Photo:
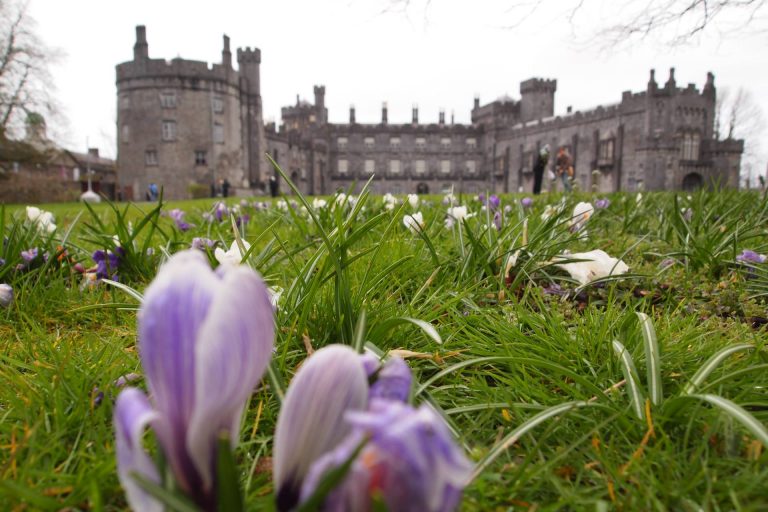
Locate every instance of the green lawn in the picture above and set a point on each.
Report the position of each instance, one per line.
(512, 345)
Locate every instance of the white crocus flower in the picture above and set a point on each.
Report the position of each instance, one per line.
(233, 256)
(414, 222)
(457, 214)
(275, 292)
(42, 219)
(282, 205)
(581, 214)
(318, 203)
(596, 264)
(639, 198)
(413, 200)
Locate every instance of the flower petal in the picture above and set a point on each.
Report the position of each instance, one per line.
(311, 422)
(175, 307)
(132, 414)
(233, 349)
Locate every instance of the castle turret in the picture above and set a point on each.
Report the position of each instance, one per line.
(652, 85)
(249, 62)
(537, 99)
(415, 114)
(384, 113)
(226, 55)
(351, 114)
(321, 112)
(441, 119)
(709, 86)
(671, 84)
(141, 48)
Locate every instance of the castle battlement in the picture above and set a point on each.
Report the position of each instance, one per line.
(538, 85)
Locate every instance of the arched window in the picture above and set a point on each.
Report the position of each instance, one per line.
(690, 147)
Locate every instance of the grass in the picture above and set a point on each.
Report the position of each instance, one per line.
(512, 352)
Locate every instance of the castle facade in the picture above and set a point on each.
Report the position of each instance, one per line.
(186, 126)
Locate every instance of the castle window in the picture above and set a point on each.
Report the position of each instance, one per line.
(395, 188)
(312, 118)
(201, 158)
(471, 167)
(125, 101)
(169, 130)
(446, 188)
(368, 142)
(150, 157)
(471, 143)
(690, 148)
(445, 142)
(394, 167)
(420, 167)
(421, 143)
(341, 142)
(168, 99)
(605, 152)
(218, 133)
(218, 105)
(343, 167)
(370, 166)
(394, 143)
(445, 166)
(126, 134)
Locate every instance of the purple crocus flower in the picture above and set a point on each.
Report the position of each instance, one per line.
(526, 202)
(29, 254)
(494, 202)
(311, 422)
(749, 256)
(410, 458)
(220, 211)
(410, 461)
(178, 217)
(107, 262)
(200, 243)
(602, 203)
(202, 359)
(497, 221)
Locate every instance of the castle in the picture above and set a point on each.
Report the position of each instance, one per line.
(186, 125)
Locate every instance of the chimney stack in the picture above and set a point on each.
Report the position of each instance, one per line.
(141, 48)
(351, 114)
(415, 114)
(226, 54)
(384, 113)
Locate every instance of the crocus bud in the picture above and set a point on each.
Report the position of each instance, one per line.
(6, 295)
(312, 420)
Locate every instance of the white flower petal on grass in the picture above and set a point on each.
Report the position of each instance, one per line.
(414, 222)
(233, 256)
(597, 264)
(413, 200)
(581, 214)
(44, 220)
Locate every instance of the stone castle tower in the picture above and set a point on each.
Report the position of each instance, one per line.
(184, 124)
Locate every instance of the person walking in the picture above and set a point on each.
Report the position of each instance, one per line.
(225, 187)
(564, 166)
(542, 159)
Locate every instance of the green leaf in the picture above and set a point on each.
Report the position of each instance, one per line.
(738, 413)
(127, 289)
(634, 388)
(712, 363)
(391, 323)
(359, 339)
(174, 502)
(652, 359)
(228, 494)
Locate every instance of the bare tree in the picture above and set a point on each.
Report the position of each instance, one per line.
(26, 86)
(739, 116)
(674, 22)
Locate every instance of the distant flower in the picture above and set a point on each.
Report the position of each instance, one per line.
(281, 205)
(107, 263)
(508, 208)
(126, 379)
(449, 199)
(318, 203)
(457, 214)
(526, 202)
(275, 292)
(667, 262)
(178, 217)
(6, 295)
(414, 222)
(220, 210)
(243, 219)
(389, 201)
(639, 198)
(494, 202)
(243, 203)
(202, 359)
(602, 203)
(201, 243)
(44, 220)
(581, 214)
(550, 211)
(29, 254)
(233, 256)
(687, 214)
(413, 200)
(207, 216)
(749, 256)
(497, 221)
(340, 199)
(597, 264)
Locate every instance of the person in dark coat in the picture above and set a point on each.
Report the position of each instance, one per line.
(542, 159)
(273, 186)
(225, 188)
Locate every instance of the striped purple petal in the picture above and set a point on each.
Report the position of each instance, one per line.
(132, 414)
(311, 422)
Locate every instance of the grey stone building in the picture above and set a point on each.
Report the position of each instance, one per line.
(185, 125)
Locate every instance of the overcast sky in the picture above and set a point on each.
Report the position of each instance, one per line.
(437, 54)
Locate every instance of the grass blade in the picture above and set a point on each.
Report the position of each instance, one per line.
(634, 387)
(712, 363)
(738, 413)
(652, 359)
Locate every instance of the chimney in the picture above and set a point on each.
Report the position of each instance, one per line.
(384, 113)
(351, 114)
(226, 55)
(652, 85)
(141, 48)
(569, 109)
(671, 82)
(451, 116)
(442, 116)
(477, 102)
(415, 114)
